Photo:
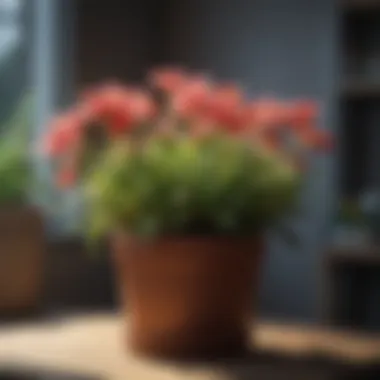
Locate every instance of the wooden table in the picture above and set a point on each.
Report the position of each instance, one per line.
(92, 345)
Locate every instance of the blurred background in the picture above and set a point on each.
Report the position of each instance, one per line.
(322, 49)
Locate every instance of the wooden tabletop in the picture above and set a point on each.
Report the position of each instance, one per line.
(93, 345)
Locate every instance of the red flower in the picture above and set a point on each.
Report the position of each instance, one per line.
(119, 108)
(65, 132)
(142, 106)
(228, 96)
(226, 108)
(203, 104)
(303, 115)
(233, 119)
(169, 80)
(268, 113)
(110, 106)
(193, 99)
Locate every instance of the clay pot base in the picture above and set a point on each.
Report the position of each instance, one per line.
(189, 298)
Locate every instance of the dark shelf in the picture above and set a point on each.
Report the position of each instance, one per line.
(361, 89)
(360, 5)
(366, 255)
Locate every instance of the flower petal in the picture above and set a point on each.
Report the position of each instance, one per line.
(169, 80)
(65, 131)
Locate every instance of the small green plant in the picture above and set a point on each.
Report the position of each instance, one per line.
(197, 159)
(14, 156)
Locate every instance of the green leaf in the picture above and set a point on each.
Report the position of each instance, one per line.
(15, 176)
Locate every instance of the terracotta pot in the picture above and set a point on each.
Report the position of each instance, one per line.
(21, 260)
(188, 297)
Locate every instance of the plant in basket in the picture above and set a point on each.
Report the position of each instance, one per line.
(185, 179)
(21, 226)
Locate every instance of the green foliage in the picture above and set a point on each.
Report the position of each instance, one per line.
(187, 186)
(14, 156)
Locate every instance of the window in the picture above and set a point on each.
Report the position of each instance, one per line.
(33, 69)
(14, 59)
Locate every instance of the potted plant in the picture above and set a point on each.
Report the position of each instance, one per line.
(21, 232)
(185, 181)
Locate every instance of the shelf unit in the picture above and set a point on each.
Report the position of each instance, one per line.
(360, 5)
(360, 95)
(352, 272)
(360, 90)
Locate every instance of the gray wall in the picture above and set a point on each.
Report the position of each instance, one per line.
(283, 48)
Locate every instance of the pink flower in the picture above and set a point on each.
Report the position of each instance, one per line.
(169, 80)
(226, 108)
(193, 99)
(303, 114)
(268, 113)
(200, 102)
(65, 132)
(142, 107)
(231, 119)
(110, 106)
(228, 96)
(119, 108)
